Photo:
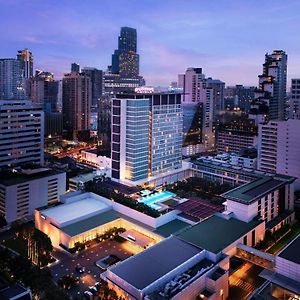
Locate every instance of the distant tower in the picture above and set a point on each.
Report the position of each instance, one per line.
(75, 67)
(26, 59)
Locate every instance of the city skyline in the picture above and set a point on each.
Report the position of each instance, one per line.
(172, 36)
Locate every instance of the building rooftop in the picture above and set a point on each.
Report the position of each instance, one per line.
(216, 233)
(291, 252)
(171, 228)
(74, 211)
(11, 291)
(10, 177)
(90, 223)
(150, 265)
(249, 192)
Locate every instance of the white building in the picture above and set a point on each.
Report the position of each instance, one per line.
(146, 136)
(22, 133)
(91, 158)
(279, 148)
(21, 192)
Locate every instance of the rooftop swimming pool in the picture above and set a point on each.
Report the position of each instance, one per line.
(151, 199)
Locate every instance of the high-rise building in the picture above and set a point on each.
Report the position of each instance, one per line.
(146, 136)
(239, 96)
(218, 93)
(11, 79)
(26, 59)
(44, 91)
(271, 93)
(279, 148)
(22, 133)
(294, 101)
(123, 74)
(198, 111)
(75, 67)
(96, 77)
(77, 99)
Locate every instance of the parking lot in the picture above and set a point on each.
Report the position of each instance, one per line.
(66, 263)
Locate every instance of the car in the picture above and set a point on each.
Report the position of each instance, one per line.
(88, 295)
(93, 290)
(79, 269)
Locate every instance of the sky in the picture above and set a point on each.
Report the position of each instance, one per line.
(227, 38)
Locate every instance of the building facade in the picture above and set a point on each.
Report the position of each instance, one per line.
(294, 101)
(77, 99)
(23, 191)
(146, 135)
(22, 133)
(279, 147)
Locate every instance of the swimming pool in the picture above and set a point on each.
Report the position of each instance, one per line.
(150, 200)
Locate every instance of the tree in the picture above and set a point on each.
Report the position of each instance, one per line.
(67, 282)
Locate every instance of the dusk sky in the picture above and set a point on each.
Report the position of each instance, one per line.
(227, 38)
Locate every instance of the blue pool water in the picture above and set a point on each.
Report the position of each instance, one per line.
(157, 197)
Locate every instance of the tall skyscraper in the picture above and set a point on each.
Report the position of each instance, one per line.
(26, 59)
(271, 92)
(75, 67)
(44, 90)
(77, 99)
(146, 136)
(96, 77)
(125, 60)
(218, 87)
(294, 100)
(123, 74)
(279, 148)
(197, 98)
(11, 79)
(22, 133)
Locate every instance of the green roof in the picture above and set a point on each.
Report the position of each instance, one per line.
(171, 228)
(253, 190)
(216, 233)
(90, 223)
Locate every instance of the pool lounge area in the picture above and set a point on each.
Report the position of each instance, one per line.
(153, 198)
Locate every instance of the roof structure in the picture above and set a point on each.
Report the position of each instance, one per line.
(171, 228)
(216, 233)
(70, 212)
(150, 265)
(90, 223)
(291, 252)
(254, 190)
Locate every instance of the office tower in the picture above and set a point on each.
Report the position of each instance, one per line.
(218, 93)
(198, 112)
(123, 74)
(96, 77)
(104, 126)
(75, 67)
(125, 60)
(239, 96)
(24, 190)
(279, 148)
(294, 101)
(11, 79)
(44, 90)
(26, 59)
(146, 136)
(236, 135)
(22, 133)
(271, 93)
(77, 99)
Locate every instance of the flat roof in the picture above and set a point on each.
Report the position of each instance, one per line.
(90, 223)
(68, 212)
(249, 192)
(148, 266)
(216, 233)
(9, 177)
(13, 291)
(292, 251)
(171, 228)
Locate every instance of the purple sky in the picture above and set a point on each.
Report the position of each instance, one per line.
(228, 38)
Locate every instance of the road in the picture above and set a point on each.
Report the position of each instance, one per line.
(66, 263)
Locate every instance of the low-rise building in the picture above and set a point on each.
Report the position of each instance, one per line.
(24, 190)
